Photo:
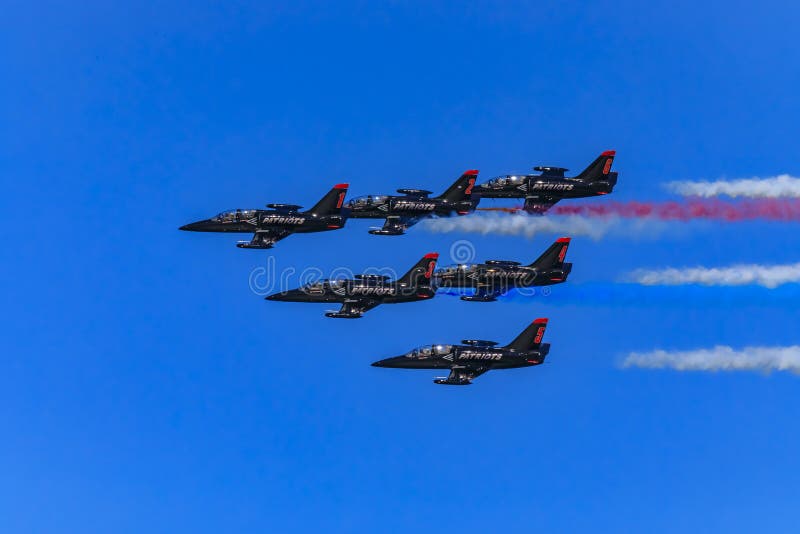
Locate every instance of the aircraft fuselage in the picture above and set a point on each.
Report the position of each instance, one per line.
(344, 290)
(532, 185)
(403, 206)
(299, 222)
(486, 358)
(500, 276)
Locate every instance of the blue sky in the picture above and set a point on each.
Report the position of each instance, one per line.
(145, 387)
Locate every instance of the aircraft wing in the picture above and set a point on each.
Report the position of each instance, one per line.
(539, 204)
(461, 376)
(353, 308)
(395, 225)
(264, 238)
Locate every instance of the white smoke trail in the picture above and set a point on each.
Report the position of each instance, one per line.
(782, 186)
(720, 358)
(770, 276)
(532, 225)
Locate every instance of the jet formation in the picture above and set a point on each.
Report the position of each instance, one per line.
(487, 281)
(540, 191)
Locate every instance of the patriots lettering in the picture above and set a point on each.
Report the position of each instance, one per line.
(372, 290)
(549, 186)
(480, 356)
(414, 206)
(279, 219)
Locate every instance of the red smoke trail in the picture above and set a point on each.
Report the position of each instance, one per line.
(712, 209)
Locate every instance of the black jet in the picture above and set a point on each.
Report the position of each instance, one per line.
(404, 211)
(367, 290)
(541, 191)
(282, 220)
(474, 357)
(496, 277)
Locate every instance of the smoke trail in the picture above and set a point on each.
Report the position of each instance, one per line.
(770, 276)
(531, 225)
(786, 210)
(616, 295)
(720, 358)
(773, 187)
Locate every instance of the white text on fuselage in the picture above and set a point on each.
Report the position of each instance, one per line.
(372, 290)
(493, 356)
(552, 187)
(282, 220)
(510, 274)
(414, 206)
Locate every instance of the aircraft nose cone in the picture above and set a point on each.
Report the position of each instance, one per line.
(191, 227)
(389, 362)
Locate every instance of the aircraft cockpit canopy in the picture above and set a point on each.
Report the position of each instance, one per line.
(315, 283)
(455, 269)
(366, 201)
(235, 215)
(429, 351)
(507, 180)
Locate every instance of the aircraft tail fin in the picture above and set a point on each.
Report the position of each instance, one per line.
(553, 257)
(420, 274)
(461, 188)
(600, 169)
(531, 337)
(331, 203)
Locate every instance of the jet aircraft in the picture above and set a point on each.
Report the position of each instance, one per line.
(402, 212)
(496, 277)
(282, 220)
(542, 191)
(367, 290)
(474, 357)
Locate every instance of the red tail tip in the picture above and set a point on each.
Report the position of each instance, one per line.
(473, 172)
(341, 186)
(563, 240)
(432, 256)
(541, 320)
(609, 153)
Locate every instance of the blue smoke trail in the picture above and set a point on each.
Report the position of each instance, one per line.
(635, 295)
